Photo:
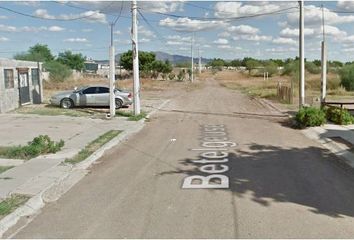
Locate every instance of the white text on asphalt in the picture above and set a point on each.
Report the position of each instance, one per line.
(214, 153)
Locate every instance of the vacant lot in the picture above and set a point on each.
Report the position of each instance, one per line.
(257, 86)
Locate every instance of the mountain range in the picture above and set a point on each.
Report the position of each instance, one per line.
(172, 58)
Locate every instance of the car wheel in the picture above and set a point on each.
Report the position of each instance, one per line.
(119, 103)
(66, 103)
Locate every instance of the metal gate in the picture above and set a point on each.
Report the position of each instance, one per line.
(36, 95)
(23, 84)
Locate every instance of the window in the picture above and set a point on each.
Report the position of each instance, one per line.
(91, 90)
(9, 78)
(103, 90)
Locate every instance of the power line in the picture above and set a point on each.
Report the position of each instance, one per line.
(120, 12)
(160, 37)
(280, 11)
(54, 19)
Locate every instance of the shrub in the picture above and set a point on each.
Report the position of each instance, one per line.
(58, 72)
(347, 77)
(312, 68)
(310, 117)
(339, 116)
(39, 145)
(171, 76)
(271, 67)
(181, 75)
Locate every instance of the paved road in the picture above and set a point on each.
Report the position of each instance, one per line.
(281, 185)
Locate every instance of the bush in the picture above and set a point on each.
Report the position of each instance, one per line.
(310, 117)
(312, 68)
(58, 72)
(339, 116)
(171, 76)
(181, 75)
(39, 145)
(347, 77)
(271, 67)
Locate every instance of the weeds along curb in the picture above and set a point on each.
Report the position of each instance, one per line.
(64, 183)
(56, 189)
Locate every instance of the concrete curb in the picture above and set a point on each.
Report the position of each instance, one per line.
(331, 145)
(64, 183)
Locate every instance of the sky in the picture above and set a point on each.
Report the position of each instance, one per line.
(228, 30)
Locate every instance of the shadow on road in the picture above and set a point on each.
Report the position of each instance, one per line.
(307, 176)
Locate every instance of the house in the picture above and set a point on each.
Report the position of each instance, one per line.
(20, 84)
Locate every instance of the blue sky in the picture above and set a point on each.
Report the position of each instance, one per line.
(227, 30)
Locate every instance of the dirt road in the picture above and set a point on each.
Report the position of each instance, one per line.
(271, 183)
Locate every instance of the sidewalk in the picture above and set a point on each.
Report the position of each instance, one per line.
(336, 138)
(29, 177)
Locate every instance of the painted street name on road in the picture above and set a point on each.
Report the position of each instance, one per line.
(214, 154)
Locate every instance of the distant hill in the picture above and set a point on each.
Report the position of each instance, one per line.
(174, 59)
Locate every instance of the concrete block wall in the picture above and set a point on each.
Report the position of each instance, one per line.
(9, 98)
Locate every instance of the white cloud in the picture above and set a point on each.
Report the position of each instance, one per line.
(3, 17)
(243, 29)
(238, 9)
(145, 32)
(221, 41)
(313, 16)
(345, 5)
(144, 40)
(76, 40)
(294, 32)
(91, 16)
(28, 3)
(348, 50)
(179, 38)
(281, 50)
(281, 40)
(256, 38)
(56, 29)
(224, 34)
(4, 39)
(206, 46)
(161, 6)
(189, 25)
(43, 13)
(5, 28)
(224, 46)
(87, 30)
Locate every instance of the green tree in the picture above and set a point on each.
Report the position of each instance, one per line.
(251, 64)
(271, 67)
(236, 63)
(347, 77)
(58, 72)
(37, 53)
(145, 60)
(73, 61)
(217, 63)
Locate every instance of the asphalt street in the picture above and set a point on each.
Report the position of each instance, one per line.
(279, 183)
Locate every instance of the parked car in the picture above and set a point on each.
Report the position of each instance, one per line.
(90, 96)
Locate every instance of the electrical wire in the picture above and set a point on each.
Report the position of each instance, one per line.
(280, 11)
(160, 37)
(54, 19)
(120, 13)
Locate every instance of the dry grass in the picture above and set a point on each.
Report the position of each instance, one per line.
(256, 86)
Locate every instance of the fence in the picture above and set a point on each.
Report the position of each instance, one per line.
(284, 93)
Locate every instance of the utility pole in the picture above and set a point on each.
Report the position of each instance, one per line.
(136, 83)
(200, 61)
(192, 42)
(323, 64)
(301, 56)
(112, 70)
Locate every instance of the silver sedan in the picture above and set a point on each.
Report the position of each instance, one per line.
(90, 96)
